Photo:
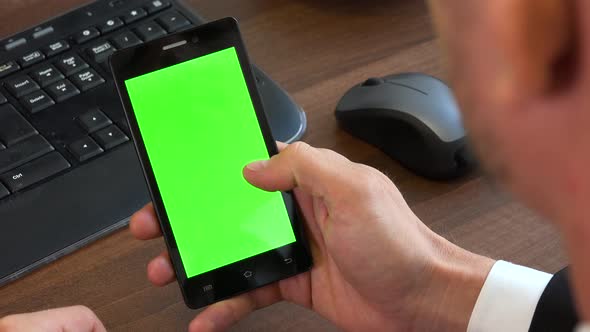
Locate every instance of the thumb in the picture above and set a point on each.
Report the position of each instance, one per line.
(298, 165)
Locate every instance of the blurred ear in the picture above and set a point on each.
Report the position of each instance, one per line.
(505, 47)
(539, 36)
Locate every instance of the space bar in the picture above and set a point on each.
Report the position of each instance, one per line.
(35, 171)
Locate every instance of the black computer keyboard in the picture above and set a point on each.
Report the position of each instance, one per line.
(50, 121)
(68, 171)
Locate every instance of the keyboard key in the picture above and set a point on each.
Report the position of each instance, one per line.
(85, 149)
(71, 64)
(43, 32)
(62, 90)
(101, 51)
(94, 120)
(126, 39)
(134, 15)
(150, 31)
(47, 75)
(14, 44)
(23, 152)
(56, 48)
(87, 79)
(13, 126)
(37, 101)
(31, 59)
(21, 85)
(3, 99)
(110, 137)
(86, 35)
(157, 5)
(110, 25)
(8, 68)
(36, 171)
(186, 27)
(3, 191)
(173, 21)
(116, 3)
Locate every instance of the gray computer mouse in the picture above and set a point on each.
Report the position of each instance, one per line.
(413, 118)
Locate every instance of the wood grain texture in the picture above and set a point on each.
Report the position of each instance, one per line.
(316, 49)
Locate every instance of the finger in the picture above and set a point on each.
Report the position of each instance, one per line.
(77, 318)
(223, 315)
(298, 165)
(160, 271)
(144, 224)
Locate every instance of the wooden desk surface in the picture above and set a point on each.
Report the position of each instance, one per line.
(316, 49)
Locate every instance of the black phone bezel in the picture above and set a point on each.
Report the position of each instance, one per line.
(248, 274)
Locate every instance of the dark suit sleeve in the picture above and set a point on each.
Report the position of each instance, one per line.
(555, 311)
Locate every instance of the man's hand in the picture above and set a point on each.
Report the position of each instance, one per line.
(78, 319)
(521, 71)
(376, 266)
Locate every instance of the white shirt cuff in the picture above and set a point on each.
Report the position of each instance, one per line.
(508, 299)
(583, 328)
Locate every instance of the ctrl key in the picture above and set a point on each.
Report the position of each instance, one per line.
(35, 171)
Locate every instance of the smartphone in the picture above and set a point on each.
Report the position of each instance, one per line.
(197, 119)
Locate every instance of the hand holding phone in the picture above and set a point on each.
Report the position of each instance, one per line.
(376, 266)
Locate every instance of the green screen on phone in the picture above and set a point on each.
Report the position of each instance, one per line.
(200, 129)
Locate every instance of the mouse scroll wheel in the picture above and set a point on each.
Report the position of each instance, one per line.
(373, 81)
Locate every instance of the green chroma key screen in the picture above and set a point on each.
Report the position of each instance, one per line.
(199, 129)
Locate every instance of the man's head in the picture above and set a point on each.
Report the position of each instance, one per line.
(521, 72)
